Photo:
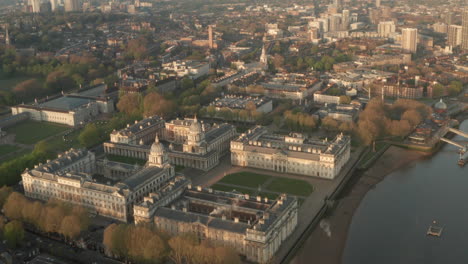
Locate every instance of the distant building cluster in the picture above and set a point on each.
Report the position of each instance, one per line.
(260, 104)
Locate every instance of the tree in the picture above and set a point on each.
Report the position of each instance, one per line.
(52, 222)
(13, 206)
(455, 88)
(182, 247)
(344, 99)
(437, 90)
(187, 83)
(130, 104)
(413, 117)
(28, 88)
(58, 80)
(5, 191)
(330, 124)
(13, 233)
(156, 104)
(108, 238)
(90, 136)
(137, 48)
(278, 61)
(155, 249)
(70, 226)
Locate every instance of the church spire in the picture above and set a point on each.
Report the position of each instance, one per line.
(7, 37)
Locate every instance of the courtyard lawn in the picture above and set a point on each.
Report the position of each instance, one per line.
(31, 132)
(290, 186)
(247, 179)
(127, 160)
(6, 149)
(225, 188)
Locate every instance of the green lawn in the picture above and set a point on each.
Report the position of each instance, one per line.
(247, 179)
(5, 149)
(59, 145)
(224, 188)
(290, 186)
(30, 132)
(15, 156)
(127, 160)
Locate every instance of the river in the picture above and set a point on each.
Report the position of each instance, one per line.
(391, 222)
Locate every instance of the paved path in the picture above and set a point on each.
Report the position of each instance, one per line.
(256, 190)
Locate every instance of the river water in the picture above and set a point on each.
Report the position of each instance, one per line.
(391, 222)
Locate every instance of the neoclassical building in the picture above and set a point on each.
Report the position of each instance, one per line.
(72, 177)
(253, 226)
(69, 109)
(190, 142)
(290, 154)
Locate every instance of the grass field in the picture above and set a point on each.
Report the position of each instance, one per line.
(58, 144)
(247, 179)
(5, 149)
(290, 186)
(15, 156)
(127, 160)
(30, 132)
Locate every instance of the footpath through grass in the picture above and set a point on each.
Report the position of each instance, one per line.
(31, 132)
(6, 149)
(247, 179)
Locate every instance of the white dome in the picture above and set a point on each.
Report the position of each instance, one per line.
(441, 105)
(157, 147)
(196, 126)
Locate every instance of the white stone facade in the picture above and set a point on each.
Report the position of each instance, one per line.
(290, 154)
(70, 178)
(253, 226)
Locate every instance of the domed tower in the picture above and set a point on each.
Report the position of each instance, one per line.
(440, 107)
(195, 138)
(158, 156)
(196, 135)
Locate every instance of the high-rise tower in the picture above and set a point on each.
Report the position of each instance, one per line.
(464, 44)
(210, 37)
(409, 39)
(454, 35)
